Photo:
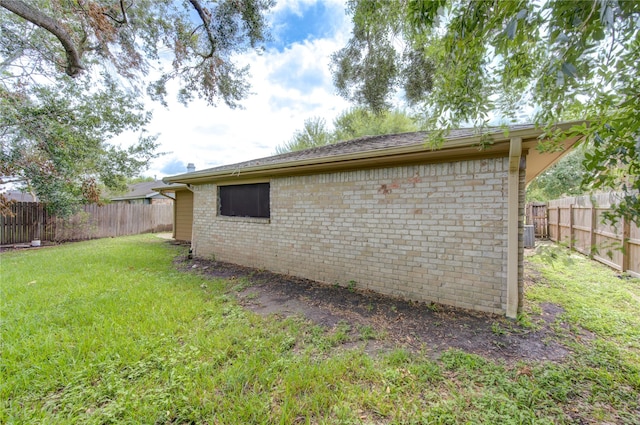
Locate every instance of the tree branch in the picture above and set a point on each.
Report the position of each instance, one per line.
(10, 59)
(124, 12)
(124, 19)
(206, 21)
(74, 64)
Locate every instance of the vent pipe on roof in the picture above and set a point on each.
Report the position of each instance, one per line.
(191, 167)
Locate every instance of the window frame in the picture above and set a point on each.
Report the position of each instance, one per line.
(232, 205)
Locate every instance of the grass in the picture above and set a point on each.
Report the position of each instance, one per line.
(108, 331)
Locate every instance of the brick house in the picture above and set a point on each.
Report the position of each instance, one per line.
(385, 212)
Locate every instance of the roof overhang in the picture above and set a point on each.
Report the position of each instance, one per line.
(538, 162)
(170, 188)
(132, 197)
(462, 148)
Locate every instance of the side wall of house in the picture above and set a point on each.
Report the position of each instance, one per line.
(433, 232)
(183, 215)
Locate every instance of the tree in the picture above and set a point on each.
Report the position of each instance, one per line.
(132, 38)
(358, 122)
(71, 74)
(313, 134)
(466, 61)
(350, 124)
(140, 179)
(561, 179)
(52, 140)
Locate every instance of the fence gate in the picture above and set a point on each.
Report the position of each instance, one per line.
(536, 213)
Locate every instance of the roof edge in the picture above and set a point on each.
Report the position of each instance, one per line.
(452, 144)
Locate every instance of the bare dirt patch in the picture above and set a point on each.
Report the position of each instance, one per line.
(431, 328)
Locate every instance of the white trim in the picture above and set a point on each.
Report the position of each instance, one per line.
(513, 206)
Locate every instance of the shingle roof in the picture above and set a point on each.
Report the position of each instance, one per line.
(15, 195)
(140, 190)
(362, 144)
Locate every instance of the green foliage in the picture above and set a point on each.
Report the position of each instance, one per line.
(469, 61)
(313, 134)
(140, 179)
(54, 141)
(72, 74)
(197, 38)
(359, 122)
(351, 124)
(555, 254)
(561, 179)
(497, 329)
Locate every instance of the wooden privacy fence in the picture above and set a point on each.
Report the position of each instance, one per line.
(578, 222)
(536, 215)
(118, 219)
(29, 221)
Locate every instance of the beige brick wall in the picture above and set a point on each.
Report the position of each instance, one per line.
(434, 232)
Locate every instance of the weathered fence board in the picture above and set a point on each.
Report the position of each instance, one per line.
(28, 221)
(31, 221)
(579, 223)
(536, 214)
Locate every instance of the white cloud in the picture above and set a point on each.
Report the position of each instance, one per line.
(299, 6)
(288, 85)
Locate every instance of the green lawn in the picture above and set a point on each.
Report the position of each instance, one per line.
(107, 331)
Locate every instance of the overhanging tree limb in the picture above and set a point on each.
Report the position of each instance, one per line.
(527, 60)
(206, 21)
(74, 64)
(123, 10)
(56, 130)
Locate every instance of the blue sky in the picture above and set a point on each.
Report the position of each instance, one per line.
(291, 81)
(306, 22)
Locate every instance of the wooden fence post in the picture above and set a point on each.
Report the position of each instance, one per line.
(592, 232)
(620, 244)
(546, 221)
(626, 231)
(571, 227)
(558, 229)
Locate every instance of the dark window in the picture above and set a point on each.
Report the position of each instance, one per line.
(245, 200)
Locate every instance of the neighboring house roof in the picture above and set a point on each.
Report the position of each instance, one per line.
(15, 195)
(170, 188)
(387, 150)
(141, 191)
